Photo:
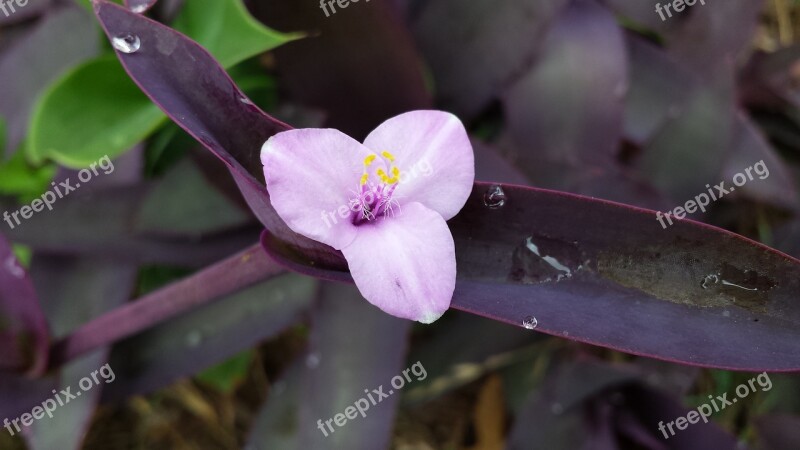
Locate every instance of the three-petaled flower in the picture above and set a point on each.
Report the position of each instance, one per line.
(395, 237)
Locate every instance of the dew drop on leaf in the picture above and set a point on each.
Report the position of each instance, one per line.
(494, 197)
(126, 43)
(530, 322)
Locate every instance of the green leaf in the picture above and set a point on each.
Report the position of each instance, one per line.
(226, 375)
(20, 179)
(23, 253)
(227, 30)
(95, 110)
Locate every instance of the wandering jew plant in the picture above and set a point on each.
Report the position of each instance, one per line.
(581, 118)
(397, 245)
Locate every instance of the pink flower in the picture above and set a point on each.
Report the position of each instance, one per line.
(384, 203)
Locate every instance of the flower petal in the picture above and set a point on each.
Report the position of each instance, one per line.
(406, 264)
(311, 176)
(434, 154)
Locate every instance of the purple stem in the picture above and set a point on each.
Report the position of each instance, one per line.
(225, 277)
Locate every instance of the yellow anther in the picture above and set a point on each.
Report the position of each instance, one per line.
(388, 156)
(369, 159)
(364, 179)
(392, 180)
(395, 172)
(380, 173)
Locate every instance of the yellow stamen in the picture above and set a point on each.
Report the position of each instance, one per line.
(395, 171)
(369, 159)
(388, 156)
(364, 179)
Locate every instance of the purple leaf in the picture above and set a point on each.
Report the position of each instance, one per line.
(583, 131)
(776, 185)
(335, 350)
(208, 335)
(592, 405)
(21, 393)
(632, 285)
(710, 38)
(625, 267)
(184, 204)
(89, 222)
(358, 71)
(215, 111)
(484, 63)
(490, 166)
(659, 88)
(228, 276)
(24, 336)
(276, 425)
(672, 159)
(74, 291)
(573, 147)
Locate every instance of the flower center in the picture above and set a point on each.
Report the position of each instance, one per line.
(373, 197)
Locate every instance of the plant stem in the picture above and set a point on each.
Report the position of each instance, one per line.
(225, 277)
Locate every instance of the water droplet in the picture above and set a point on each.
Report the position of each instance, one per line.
(743, 287)
(541, 259)
(556, 408)
(312, 361)
(530, 322)
(139, 8)
(194, 338)
(709, 280)
(126, 43)
(495, 197)
(246, 100)
(13, 267)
